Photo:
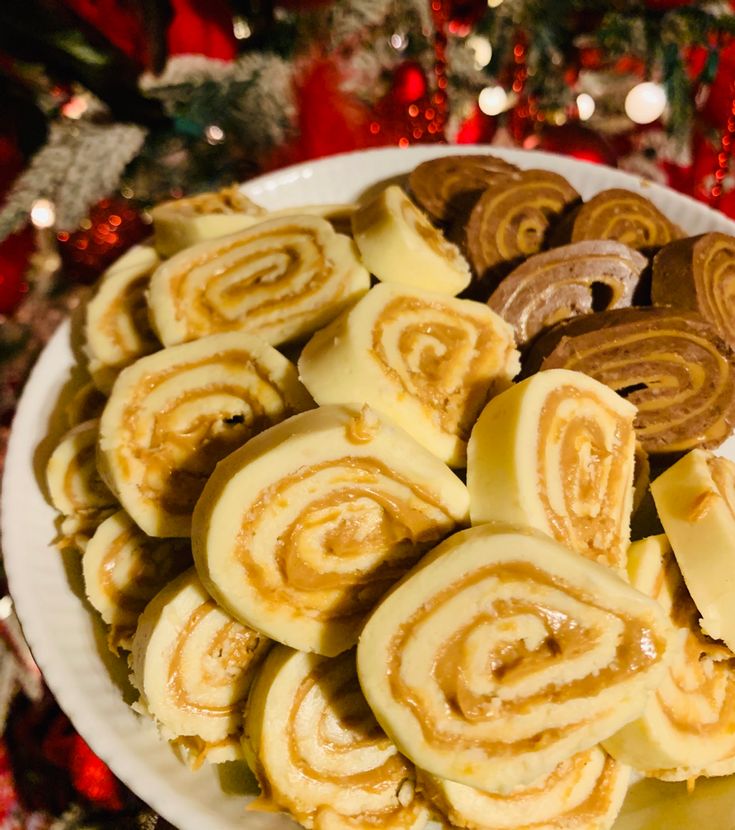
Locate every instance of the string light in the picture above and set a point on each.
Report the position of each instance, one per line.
(43, 213)
(493, 100)
(214, 134)
(482, 49)
(399, 41)
(585, 106)
(645, 102)
(241, 28)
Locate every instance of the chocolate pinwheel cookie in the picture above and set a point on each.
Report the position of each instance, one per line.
(625, 216)
(671, 364)
(504, 653)
(698, 274)
(510, 222)
(565, 282)
(448, 187)
(318, 752)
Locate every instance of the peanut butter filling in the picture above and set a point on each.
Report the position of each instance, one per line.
(638, 648)
(365, 507)
(129, 305)
(82, 483)
(433, 238)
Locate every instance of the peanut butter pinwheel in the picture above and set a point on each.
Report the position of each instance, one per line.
(318, 752)
(123, 569)
(585, 791)
(688, 725)
(174, 414)
(695, 499)
(557, 452)
(625, 216)
(117, 329)
(281, 279)
(448, 187)
(193, 666)
(698, 274)
(565, 282)
(398, 244)
(181, 223)
(510, 221)
(426, 360)
(503, 654)
(671, 364)
(301, 531)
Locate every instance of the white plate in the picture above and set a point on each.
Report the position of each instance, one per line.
(63, 632)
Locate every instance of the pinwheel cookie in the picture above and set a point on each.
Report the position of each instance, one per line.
(193, 666)
(688, 726)
(503, 654)
(301, 531)
(695, 499)
(123, 569)
(172, 415)
(557, 452)
(670, 364)
(585, 791)
(426, 360)
(398, 244)
(281, 279)
(319, 754)
(698, 274)
(566, 282)
(117, 329)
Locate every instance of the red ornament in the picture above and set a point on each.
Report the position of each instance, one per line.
(477, 129)
(578, 142)
(462, 15)
(15, 253)
(114, 225)
(409, 82)
(202, 27)
(92, 778)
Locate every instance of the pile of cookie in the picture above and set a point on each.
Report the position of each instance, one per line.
(354, 486)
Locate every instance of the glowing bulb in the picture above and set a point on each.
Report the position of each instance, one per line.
(493, 100)
(241, 28)
(482, 49)
(43, 213)
(214, 134)
(493, 4)
(585, 106)
(398, 41)
(645, 102)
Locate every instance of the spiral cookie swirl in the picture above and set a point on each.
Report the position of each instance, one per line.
(695, 499)
(565, 282)
(174, 414)
(626, 217)
(281, 279)
(503, 654)
(319, 754)
(564, 464)
(671, 365)
(117, 329)
(585, 791)
(511, 219)
(301, 531)
(688, 725)
(193, 666)
(699, 274)
(425, 360)
(123, 569)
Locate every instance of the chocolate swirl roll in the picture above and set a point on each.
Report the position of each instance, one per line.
(280, 279)
(698, 274)
(123, 569)
(301, 531)
(625, 216)
(318, 752)
(585, 791)
(447, 188)
(503, 654)
(510, 221)
(426, 360)
(117, 329)
(564, 463)
(174, 414)
(688, 726)
(672, 365)
(193, 665)
(566, 282)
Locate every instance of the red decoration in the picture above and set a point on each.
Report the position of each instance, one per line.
(477, 129)
(576, 141)
(409, 82)
(436, 113)
(464, 14)
(114, 225)
(119, 22)
(15, 253)
(202, 27)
